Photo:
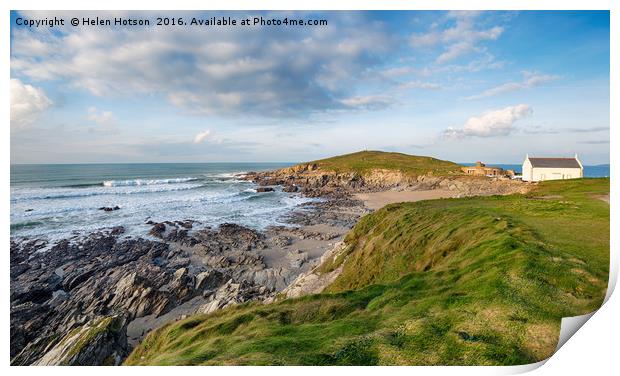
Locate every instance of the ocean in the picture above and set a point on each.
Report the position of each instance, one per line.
(58, 201)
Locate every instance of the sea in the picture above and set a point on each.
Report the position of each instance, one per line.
(53, 202)
(57, 201)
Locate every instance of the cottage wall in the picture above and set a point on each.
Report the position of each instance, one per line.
(526, 170)
(541, 174)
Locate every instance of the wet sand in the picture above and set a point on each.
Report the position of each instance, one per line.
(377, 200)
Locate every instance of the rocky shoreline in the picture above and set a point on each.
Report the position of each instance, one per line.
(90, 300)
(313, 181)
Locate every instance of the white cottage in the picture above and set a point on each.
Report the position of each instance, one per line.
(539, 169)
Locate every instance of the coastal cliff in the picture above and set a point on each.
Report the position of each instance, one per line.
(370, 171)
(91, 300)
(469, 281)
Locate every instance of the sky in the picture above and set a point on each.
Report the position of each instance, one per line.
(462, 86)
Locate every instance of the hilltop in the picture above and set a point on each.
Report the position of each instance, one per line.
(377, 170)
(480, 280)
(364, 162)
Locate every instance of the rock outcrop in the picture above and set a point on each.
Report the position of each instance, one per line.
(316, 280)
(232, 293)
(63, 295)
(313, 181)
(102, 341)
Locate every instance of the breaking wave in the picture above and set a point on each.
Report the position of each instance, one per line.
(47, 194)
(134, 182)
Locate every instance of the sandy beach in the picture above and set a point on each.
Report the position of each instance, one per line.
(377, 200)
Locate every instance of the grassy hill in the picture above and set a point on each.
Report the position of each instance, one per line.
(366, 161)
(481, 280)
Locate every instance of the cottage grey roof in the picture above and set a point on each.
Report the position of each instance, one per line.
(555, 162)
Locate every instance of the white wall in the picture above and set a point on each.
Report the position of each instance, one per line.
(541, 174)
(526, 170)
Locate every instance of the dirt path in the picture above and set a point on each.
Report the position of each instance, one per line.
(604, 198)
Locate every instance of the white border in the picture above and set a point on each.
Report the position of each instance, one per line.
(592, 349)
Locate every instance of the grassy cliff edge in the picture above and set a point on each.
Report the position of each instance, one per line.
(482, 280)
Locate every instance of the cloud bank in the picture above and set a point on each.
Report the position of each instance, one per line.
(270, 72)
(491, 123)
(460, 39)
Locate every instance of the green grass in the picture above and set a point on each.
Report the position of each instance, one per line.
(467, 281)
(365, 161)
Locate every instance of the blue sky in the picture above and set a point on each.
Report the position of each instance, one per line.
(462, 86)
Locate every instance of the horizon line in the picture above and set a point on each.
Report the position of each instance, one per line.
(238, 162)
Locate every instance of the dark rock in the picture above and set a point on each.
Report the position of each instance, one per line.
(81, 280)
(74, 283)
(117, 230)
(188, 224)
(158, 229)
(109, 208)
(18, 269)
(264, 189)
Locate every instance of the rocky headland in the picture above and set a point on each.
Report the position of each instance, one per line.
(314, 181)
(89, 300)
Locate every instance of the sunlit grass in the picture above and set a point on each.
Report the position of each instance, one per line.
(482, 280)
(366, 161)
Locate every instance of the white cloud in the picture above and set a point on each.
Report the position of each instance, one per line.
(202, 136)
(455, 50)
(267, 72)
(530, 79)
(462, 38)
(103, 118)
(491, 123)
(27, 103)
(425, 39)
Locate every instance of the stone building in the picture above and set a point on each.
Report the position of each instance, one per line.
(480, 169)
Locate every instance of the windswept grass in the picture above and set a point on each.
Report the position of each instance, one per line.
(365, 161)
(468, 281)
